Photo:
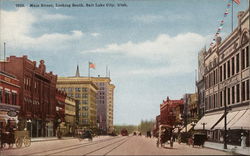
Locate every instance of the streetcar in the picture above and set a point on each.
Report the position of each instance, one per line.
(124, 132)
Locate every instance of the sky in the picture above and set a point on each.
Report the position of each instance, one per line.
(149, 46)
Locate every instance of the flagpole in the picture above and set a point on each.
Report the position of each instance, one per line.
(89, 72)
(232, 16)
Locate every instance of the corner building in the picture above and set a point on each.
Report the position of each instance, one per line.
(83, 90)
(36, 96)
(227, 87)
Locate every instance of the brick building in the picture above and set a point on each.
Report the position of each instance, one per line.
(9, 94)
(37, 94)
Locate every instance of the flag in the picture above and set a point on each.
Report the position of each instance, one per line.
(237, 1)
(91, 65)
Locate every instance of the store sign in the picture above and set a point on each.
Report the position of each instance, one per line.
(12, 113)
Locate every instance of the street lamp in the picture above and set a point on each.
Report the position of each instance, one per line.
(30, 122)
(203, 124)
(225, 124)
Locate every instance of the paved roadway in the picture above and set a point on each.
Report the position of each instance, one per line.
(105, 145)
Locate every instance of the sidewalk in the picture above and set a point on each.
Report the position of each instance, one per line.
(230, 148)
(49, 139)
(63, 138)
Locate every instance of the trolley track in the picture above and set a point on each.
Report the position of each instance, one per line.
(103, 147)
(71, 147)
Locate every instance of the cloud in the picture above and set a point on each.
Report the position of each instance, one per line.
(95, 34)
(17, 27)
(168, 55)
(148, 18)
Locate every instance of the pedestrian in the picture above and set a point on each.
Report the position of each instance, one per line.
(243, 140)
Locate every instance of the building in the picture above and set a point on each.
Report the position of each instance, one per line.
(200, 83)
(105, 103)
(227, 87)
(111, 108)
(59, 123)
(171, 112)
(84, 91)
(70, 113)
(37, 94)
(9, 94)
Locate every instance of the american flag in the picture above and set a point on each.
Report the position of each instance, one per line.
(91, 65)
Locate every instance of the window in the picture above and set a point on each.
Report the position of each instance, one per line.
(1, 96)
(85, 108)
(225, 97)
(85, 102)
(7, 97)
(84, 89)
(232, 66)
(228, 96)
(242, 59)
(233, 95)
(237, 63)
(220, 99)
(238, 93)
(243, 91)
(225, 71)
(228, 68)
(247, 56)
(220, 73)
(248, 93)
(14, 98)
(84, 95)
(77, 89)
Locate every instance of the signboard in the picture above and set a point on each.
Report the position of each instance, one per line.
(12, 113)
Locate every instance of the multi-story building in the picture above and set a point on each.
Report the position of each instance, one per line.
(200, 83)
(37, 94)
(83, 90)
(227, 87)
(59, 123)
(105, 103)
(171, 112)
(9, 94)
(70, 113)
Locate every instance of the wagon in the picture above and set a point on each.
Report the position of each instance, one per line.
(199, 139)
(17, 137)
(165, 135)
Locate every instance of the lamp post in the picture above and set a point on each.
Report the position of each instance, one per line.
(30, 122)
(203, 124)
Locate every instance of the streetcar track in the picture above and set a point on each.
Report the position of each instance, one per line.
(115, 147)
(69, 149)
(93, 151)
(81, 145)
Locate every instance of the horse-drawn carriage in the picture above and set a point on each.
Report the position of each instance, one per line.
(15, 137)
(165, 135)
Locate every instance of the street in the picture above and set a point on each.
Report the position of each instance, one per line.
(105, 145)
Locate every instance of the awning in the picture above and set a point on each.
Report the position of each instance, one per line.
(189, 127)
(242, 122)
(230, 117)
(209, 121)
